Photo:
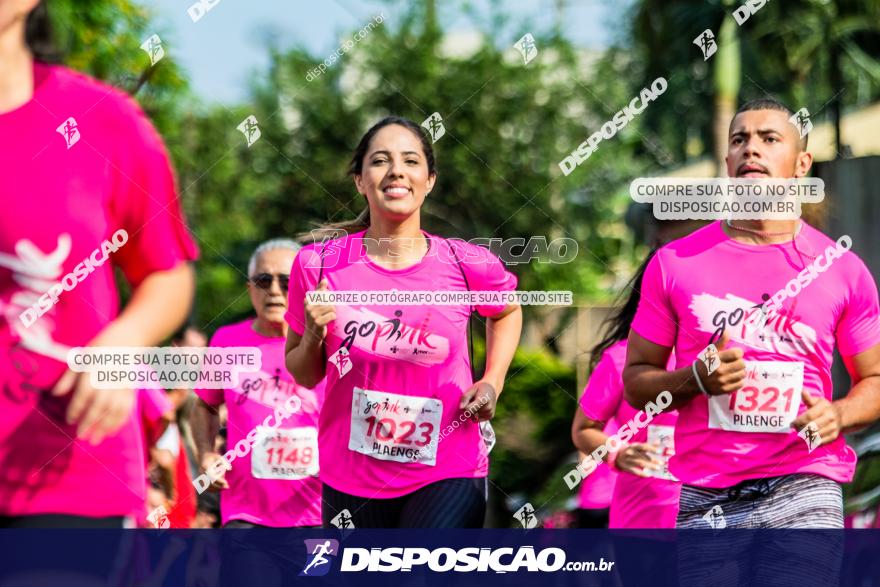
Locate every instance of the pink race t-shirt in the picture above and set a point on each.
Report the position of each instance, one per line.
(597, 489)
(64, 193)
(701, 284)
(396, 373)
(276, 483)
(638, 502)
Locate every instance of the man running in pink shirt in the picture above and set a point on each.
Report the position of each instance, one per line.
(741, 441)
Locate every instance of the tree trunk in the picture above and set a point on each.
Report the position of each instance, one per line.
(836, 80)
(727, 82)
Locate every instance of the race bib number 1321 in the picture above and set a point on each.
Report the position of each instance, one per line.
(768, 401)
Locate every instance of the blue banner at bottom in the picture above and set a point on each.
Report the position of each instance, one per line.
(274, 557)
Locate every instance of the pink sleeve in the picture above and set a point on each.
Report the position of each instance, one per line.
(213, 397)
(485, 272)
(303, 278)
(144, 200)
(603, 392)
(859, 326)
(655, 319)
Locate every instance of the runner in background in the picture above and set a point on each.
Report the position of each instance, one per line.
(83, 163)
(208, 513)
(594, 497)
(173, 458)
(645, 493)
(275, 483)
(399, 376)
(155, 411)
(597, 489)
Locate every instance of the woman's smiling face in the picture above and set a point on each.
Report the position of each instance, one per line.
(395, 176)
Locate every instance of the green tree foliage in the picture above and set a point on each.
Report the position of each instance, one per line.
(103, 38)
(804, 53)
(507, 127)
(532, 424)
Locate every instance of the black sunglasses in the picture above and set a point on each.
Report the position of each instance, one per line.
(264, 280)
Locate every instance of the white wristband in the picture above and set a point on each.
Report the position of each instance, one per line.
(697, 377)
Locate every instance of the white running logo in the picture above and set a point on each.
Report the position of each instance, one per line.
(319, 552)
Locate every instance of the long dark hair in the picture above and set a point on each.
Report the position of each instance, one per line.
(616, 326)
(38, 35)
(356, 166)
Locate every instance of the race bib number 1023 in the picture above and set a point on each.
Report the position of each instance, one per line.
(394, 427)
(768, 401)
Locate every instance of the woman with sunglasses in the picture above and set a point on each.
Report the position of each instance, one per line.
(399, 434)
(275, 482)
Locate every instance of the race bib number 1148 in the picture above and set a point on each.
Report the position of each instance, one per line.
(289, 454)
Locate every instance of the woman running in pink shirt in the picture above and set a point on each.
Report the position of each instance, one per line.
(399, 434)
(645, 493)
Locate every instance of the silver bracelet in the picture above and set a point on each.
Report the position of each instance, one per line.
(697, 377)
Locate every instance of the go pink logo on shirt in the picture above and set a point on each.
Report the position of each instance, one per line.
(35, 271)
(391, 337)
(821, 264)
(271, 391)
(732, 313)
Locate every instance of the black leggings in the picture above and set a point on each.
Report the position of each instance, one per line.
(450, 503)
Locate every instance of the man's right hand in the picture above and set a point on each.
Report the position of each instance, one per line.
(730, 373)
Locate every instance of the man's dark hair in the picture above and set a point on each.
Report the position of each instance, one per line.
(39, 37)
(768, 103)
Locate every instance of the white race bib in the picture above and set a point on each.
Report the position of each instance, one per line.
(768, 401)
(290, 453)
(665, 437)
(394, 427)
